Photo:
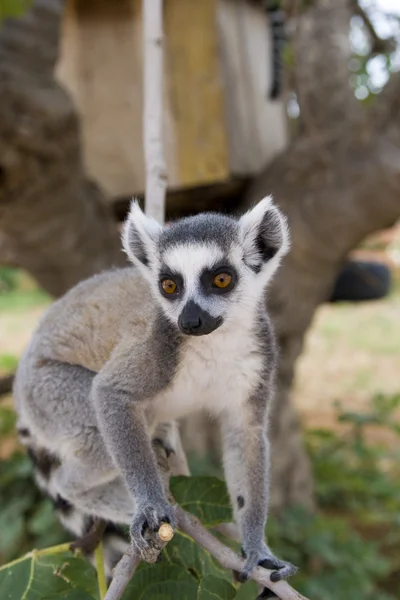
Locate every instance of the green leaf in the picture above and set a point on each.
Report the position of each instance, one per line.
(170, 582)
(50, 577)
(247, 591)
(7, 420)
(205, 497)
(8, 362)
(42, 518)
(11, 533)
(182, 550)
(161, 582)
(13, 8)
(212, 588)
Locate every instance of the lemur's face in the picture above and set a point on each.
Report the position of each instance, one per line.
(208, 270)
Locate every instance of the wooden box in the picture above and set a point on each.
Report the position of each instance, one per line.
(218, 121)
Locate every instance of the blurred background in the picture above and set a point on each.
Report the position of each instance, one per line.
(298, 98)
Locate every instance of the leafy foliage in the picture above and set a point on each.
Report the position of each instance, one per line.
(356, 475)
(49, 577)
(186, 570)
(8, 278)
(358, 480)
(349, 550)
(27, 520)
(8, 362)
(205, 497)
(13, 8)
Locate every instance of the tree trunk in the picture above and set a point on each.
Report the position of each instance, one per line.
(321, 50)
(53, 222)
(336, 187)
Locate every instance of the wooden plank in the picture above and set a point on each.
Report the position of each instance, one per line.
(236, 82)
(195, 90)
(106, 93)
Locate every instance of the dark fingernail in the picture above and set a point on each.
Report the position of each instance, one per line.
(267, 563)
(275, 576)
(144, 527)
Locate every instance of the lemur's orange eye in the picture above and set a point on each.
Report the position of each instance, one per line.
(222, 280)
(168, 286)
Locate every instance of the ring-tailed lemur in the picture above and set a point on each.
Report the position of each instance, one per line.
(276, 19)
(129, 350)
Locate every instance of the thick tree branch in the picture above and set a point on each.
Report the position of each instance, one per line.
(322, 77)
(32, 40)
(53, 222)
(378, 44)
(336, 189)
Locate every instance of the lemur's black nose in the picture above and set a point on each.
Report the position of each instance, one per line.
(193, 320)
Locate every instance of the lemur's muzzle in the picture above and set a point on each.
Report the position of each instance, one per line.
(193, 320)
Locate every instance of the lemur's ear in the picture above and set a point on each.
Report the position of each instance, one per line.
(140, 236)
(264, 234)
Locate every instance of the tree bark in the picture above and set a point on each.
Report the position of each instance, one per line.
(53, 222)
(321, 50)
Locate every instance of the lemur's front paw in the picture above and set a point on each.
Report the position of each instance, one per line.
(264, 558)
(149, 518)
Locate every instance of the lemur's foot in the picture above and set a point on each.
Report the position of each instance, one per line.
(148, 521)
(281, 569)
(264, 558)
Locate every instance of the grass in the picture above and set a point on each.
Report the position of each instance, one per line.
(21, 300)
(21, 306)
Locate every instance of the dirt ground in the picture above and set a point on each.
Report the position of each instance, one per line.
(351, 352)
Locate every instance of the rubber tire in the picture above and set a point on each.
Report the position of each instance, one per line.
(361, 280)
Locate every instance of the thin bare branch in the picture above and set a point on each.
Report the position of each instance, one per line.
(156, 173)
(378, 45)
(123, 573)
(227, 558)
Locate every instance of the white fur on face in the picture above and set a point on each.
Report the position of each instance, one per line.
(190, 260)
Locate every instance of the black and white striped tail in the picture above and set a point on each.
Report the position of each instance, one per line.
(115, 542)
(276, 19)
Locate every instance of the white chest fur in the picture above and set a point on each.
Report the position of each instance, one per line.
(215, 372)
